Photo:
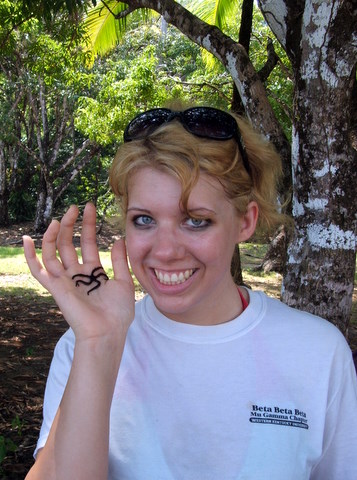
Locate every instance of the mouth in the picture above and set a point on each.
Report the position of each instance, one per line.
(174, 278)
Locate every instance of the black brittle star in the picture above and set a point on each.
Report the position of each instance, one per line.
(91, 278)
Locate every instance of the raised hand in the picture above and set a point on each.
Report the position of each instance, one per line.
(93, 305)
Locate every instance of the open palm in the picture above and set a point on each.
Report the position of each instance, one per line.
(92, 304)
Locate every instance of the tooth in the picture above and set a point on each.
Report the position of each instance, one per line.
(188, 273)
(173, 279)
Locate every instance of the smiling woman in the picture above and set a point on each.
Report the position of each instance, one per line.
(182, 261)
(197, 380)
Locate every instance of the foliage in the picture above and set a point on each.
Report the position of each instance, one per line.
(105, 31)
(152, 64)
(6, 446)
(41, 79)
(48, 9)
(103, 28)
(226, 15)
(147, 68)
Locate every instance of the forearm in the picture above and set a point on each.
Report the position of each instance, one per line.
(77, 446)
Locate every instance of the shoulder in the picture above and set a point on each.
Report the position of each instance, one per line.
(285, 315)
(301, 328)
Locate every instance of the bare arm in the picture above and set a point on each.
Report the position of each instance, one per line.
(77, 446)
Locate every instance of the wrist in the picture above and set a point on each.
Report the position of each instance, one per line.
(99, 358)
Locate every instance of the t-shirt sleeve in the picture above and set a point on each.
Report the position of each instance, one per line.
(339, 459)
(56, 383)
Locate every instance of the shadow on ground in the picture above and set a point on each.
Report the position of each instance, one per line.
(29, 332)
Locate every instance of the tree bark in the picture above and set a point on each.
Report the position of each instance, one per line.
(275, 258)
(45, 203)
(236, 267)
(320, 39)
(237, 106)
(49, 139)
(4, 214)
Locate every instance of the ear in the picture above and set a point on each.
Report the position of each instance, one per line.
(248, 222)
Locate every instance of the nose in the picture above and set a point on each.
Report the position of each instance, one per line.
(168, 245)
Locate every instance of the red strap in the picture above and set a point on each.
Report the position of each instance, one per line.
(244, 301)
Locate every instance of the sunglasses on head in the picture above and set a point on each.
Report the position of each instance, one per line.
(205, 122)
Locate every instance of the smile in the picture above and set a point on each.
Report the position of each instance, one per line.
(173, 278)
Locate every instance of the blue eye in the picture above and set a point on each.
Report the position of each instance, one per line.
(143, 220)
(198, 222)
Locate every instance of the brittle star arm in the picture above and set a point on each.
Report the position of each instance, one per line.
(91, 278)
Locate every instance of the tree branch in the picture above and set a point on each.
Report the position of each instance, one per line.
(121, 14)
(272, 60)
(202, 85)
(60, 132)
(35, 116)
(68, 179)
(72, 158)
(14, 27)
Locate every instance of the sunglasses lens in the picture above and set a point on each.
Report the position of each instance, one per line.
(146, 123)
(209, 123)
(203, 122)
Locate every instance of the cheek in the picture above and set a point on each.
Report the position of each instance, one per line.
(138, 247)
(216, 251)
(133, 247)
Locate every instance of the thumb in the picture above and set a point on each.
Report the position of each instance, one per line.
(120, 261)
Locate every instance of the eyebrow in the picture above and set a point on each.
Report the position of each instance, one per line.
(201, 209)
(138, 209)
(197, 210)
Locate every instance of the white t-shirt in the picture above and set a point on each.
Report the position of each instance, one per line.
(271, 394)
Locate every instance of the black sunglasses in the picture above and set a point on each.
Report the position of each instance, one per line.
(206, 122)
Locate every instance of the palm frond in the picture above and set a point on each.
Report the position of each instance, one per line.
(214, 12)
(104, 30)
(224, 9)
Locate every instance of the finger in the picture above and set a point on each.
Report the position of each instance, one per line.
(89, 246)
(36, 267)
(120, 261)
(30, 255)
(49, 249)
(65, 245)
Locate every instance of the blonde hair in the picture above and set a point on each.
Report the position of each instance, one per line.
(174, 150)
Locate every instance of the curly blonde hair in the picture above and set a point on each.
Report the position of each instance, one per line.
(174, 150)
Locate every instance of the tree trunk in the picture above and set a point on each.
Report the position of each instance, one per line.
(45, 203)
(4, 214)
(321, 258)
(275, 258)
(236, 267)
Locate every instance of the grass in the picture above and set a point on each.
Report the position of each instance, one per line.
(16, 279)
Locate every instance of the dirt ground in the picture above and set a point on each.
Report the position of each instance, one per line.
(30, 328)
